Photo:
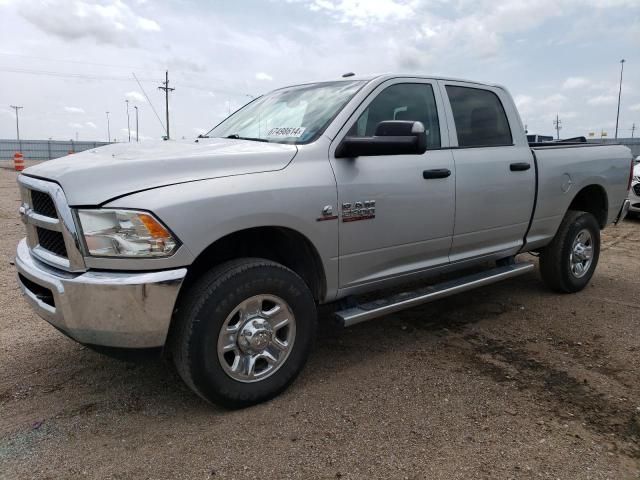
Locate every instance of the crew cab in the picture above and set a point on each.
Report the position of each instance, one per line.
(220, 249)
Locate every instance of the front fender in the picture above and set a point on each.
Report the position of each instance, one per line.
(201, 212)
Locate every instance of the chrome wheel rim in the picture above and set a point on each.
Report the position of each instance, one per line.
(581, 254)
(256, 338)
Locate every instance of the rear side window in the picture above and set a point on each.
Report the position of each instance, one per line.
(403, 101)
(479, 117)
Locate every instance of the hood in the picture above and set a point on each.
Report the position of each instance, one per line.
(95, 176)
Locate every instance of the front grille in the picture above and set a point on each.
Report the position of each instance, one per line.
(636, 188)
(43, 204)
(52, 241)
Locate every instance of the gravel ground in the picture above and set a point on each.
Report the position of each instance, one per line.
(509, 381)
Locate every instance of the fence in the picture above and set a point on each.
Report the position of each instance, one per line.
(43, 149)
(632, 143)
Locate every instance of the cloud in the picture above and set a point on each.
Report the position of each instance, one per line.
(635, 108)
(148, 25)
(135, 96)
(263, 76)
(553, 100)
(361, 14)
(91, 124)
(74, 109)
(186, 64)
(110, 22)
(76, 125)
(576, 82)
(525, 104)
(602, 100)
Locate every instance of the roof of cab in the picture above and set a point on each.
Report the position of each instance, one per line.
(388, 76)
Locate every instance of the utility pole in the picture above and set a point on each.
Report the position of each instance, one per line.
(557, 124)
(166, 97)
(108, 128)
(128, 123)
(16, 108)
(633, 129)
(137, 134)
(619, 95)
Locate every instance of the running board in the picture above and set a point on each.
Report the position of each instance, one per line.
(401, 301)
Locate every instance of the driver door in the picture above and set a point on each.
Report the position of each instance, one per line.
(412, 208)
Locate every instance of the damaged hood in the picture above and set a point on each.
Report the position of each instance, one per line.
(94, 176)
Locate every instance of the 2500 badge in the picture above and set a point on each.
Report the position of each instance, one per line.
(352, 212)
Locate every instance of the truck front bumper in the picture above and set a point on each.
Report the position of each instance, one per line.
(113, 309)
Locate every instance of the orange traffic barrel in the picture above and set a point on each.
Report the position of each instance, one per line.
(18, 162)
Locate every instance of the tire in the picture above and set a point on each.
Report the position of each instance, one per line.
(559, 262)
(223, 297)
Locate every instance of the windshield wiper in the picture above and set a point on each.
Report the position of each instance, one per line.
(238, 137)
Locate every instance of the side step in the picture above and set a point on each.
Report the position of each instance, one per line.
(401, 301)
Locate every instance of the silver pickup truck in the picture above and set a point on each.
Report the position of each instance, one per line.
(221, 249)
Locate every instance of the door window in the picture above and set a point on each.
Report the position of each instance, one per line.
(403, 101)
(479, 117)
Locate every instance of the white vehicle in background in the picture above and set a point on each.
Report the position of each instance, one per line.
(634, 193)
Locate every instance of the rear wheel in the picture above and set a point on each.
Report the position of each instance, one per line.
(244, 332)
(569, 261)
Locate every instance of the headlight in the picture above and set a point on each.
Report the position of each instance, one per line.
(636, 178)
(125, 233)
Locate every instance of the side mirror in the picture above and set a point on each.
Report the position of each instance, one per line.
(392, 137)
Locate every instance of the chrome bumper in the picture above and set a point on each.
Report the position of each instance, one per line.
(115, 309)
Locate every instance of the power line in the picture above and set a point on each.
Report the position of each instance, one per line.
(166, 89)
(81, 76)
(86, 76)
(150, 104)
(62, 60)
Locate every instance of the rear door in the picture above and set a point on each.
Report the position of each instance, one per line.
(495, 173)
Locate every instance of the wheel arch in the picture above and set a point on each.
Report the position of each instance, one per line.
(594, 200)
(279, 244)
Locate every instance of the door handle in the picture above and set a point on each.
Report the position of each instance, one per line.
(436, 173)
(520, 166)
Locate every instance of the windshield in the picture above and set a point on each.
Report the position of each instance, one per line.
(290, 115)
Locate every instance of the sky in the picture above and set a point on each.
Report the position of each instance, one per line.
(68, 62)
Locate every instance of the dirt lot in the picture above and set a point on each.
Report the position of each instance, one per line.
(510, 381)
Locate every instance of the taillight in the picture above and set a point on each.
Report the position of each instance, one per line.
(630, 174)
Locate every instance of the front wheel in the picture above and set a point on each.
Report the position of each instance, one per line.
(244, 332)
(569, 261)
